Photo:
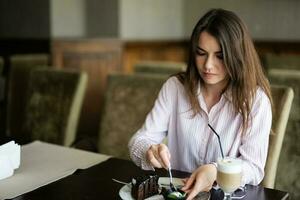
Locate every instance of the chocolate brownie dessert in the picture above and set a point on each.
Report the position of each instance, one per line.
(144, 186)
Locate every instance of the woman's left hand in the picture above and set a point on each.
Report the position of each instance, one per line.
(201, 179)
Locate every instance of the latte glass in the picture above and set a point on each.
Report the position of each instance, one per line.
(229, 175)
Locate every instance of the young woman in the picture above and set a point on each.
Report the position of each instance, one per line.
(223, 86)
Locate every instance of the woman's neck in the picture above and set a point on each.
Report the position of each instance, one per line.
(212, 94)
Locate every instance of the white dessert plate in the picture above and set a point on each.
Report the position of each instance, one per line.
(125, 191)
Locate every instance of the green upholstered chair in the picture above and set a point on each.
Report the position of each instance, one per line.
(159, 67)
(53, 105)
(281, 61)
(288, 167)
(283, 97)
(128, 100)
(18, 76)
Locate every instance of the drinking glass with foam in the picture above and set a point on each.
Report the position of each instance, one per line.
(229, 175)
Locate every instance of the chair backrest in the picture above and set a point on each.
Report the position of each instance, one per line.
(128, 100)
(159, 67)
(290, 78)
(282, 100)
(53, 105)
(18, 77)
(281, 61)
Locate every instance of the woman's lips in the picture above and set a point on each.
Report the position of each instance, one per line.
(208, 75)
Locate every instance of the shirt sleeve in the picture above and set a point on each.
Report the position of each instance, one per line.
(254, 144)
(155, 126)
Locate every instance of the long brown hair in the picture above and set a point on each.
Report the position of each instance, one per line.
(240, 59)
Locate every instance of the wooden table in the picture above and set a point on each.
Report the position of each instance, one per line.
(96, 183)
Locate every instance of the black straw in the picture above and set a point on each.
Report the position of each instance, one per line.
(218, 139)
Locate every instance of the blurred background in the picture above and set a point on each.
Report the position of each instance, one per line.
(137, 38)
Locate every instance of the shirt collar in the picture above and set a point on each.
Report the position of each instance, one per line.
(227, 94)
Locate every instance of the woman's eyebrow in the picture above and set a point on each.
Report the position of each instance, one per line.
(199, 48)
(217, 52)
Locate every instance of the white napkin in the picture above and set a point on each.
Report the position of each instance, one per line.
(10, 156)
(43, 163)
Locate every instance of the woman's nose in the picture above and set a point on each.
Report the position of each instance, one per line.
(209, 64)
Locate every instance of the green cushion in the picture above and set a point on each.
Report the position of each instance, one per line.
(128, 100)
(159, 67)
(19, 72)
(53, 105)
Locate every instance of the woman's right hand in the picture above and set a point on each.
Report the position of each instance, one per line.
(158, 156)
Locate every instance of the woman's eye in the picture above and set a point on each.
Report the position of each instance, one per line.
(220, 56)
(200, 53)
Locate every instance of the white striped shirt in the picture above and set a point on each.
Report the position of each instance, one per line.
(190, 140)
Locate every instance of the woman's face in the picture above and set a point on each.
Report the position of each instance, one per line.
(209, 61)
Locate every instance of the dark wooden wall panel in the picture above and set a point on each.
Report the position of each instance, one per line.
(175, 51)
(97, 58)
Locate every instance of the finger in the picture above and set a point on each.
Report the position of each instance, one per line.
(187, 191)
(191, 194)
(207, 189)
(158, 158)
(198, 187)
(184, 180)
(152, 159)
(164, 154)
(190, 181)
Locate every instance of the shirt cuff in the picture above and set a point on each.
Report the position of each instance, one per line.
(139, 155)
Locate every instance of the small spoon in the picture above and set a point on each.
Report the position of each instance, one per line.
(173, 188)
